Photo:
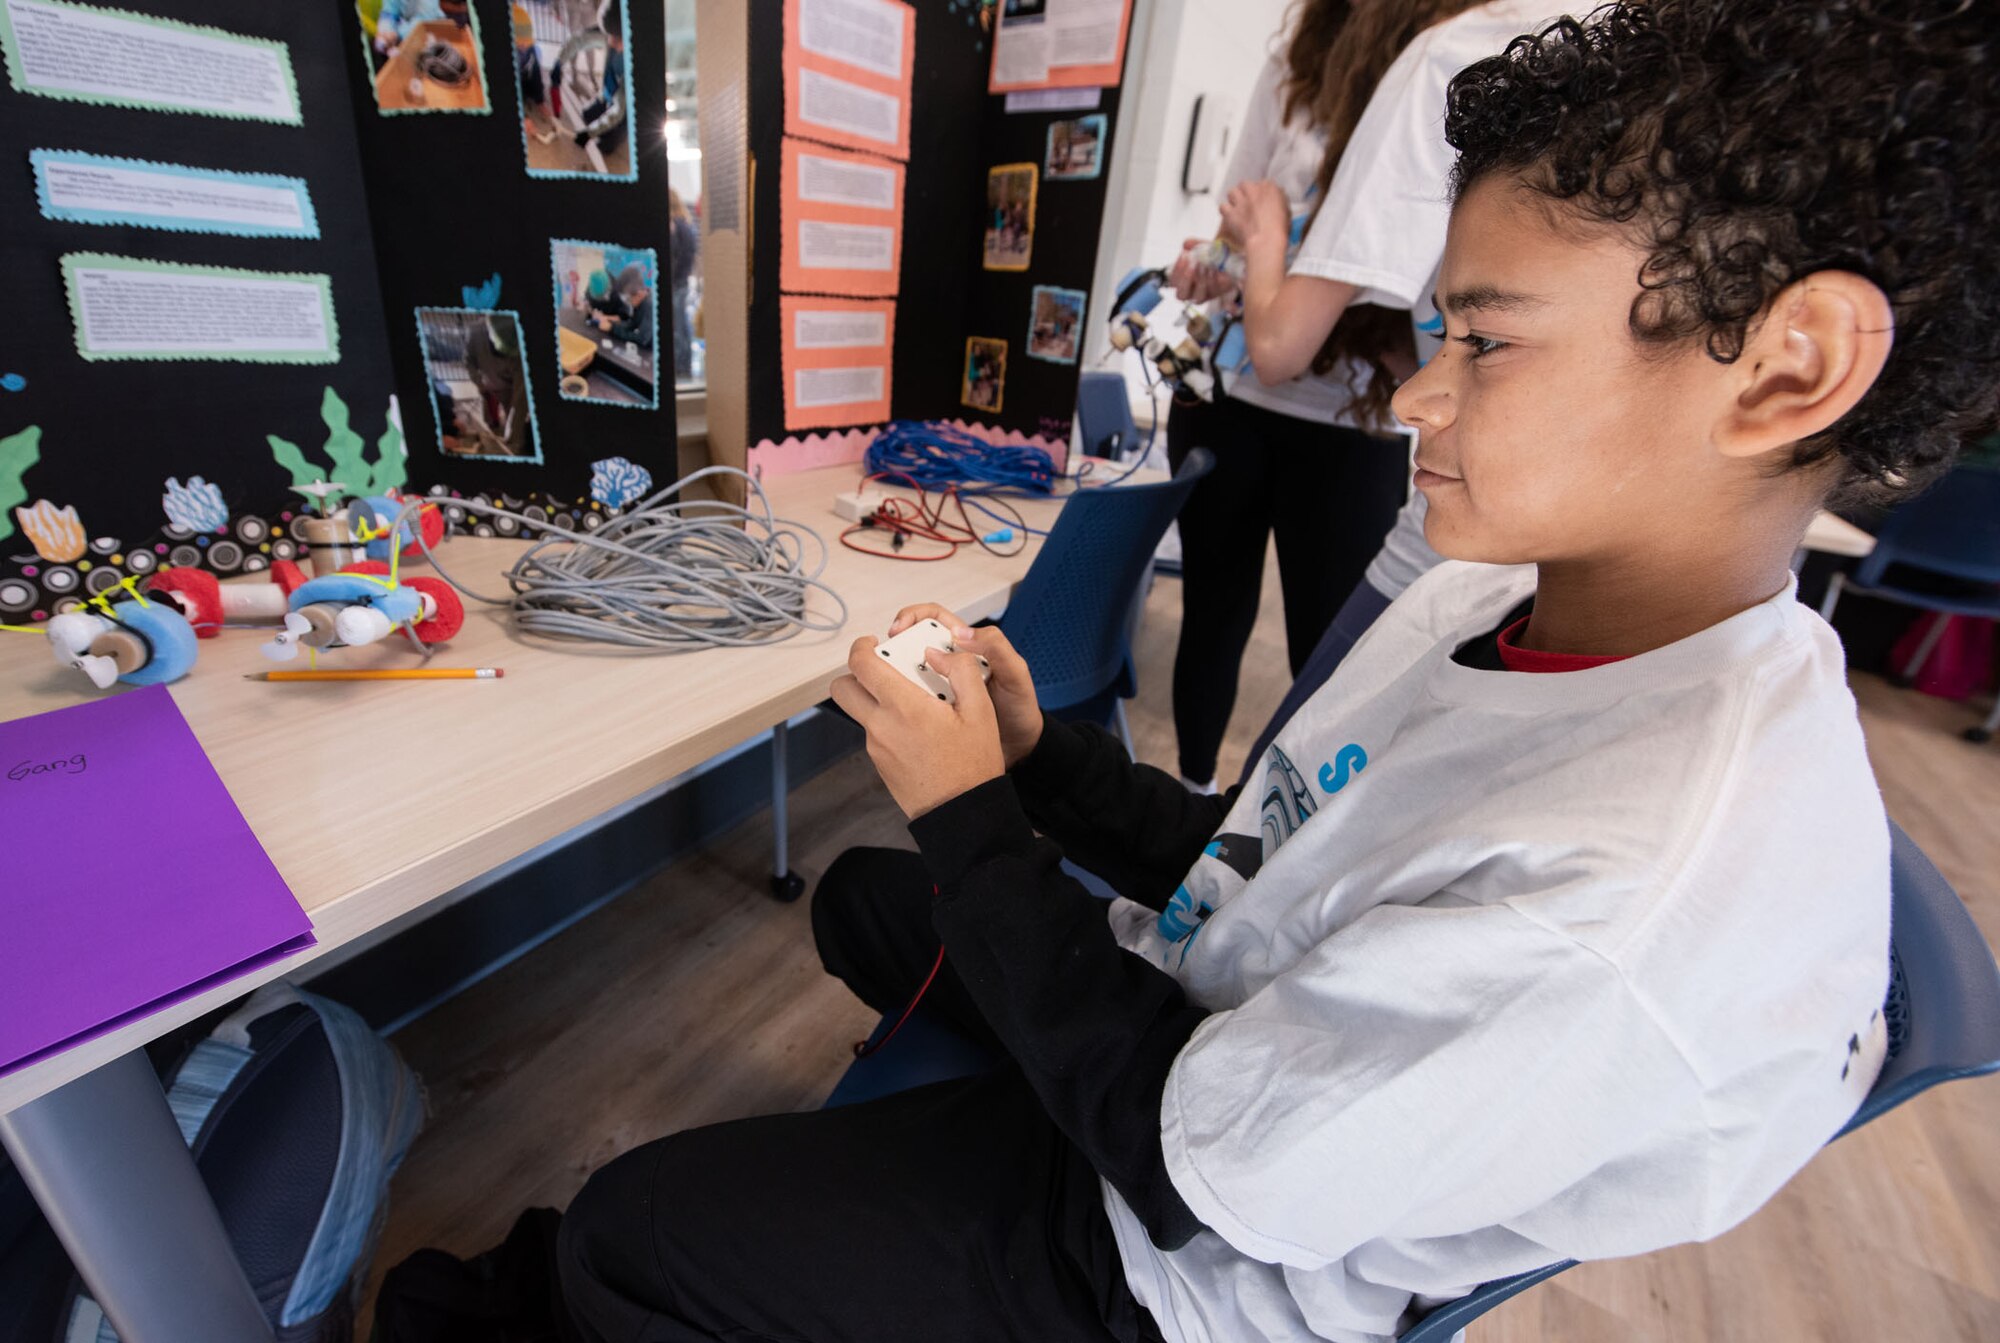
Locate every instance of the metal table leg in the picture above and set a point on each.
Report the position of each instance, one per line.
(786, 884)
(109, 1168)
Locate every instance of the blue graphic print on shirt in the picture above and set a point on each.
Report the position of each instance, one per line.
(1348, 761)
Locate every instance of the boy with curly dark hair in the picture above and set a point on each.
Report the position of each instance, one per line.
(1558, 923)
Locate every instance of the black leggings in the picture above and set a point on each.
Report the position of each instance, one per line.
(1329, 493)
(952, 1211)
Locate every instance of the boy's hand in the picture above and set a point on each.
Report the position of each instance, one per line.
(927, 751)
(1012, 689)
(1257, 216)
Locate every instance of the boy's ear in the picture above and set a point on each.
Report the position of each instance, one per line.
(1818, 350)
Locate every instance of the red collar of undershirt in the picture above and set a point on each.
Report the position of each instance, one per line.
(1528, 660)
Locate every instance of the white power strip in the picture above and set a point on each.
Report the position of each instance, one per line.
(860, 504)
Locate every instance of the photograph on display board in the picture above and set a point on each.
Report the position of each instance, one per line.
(424, 55)
(574, 88)
(607, 323)
(984, 383)
(1076, 148)
(1010, 216)
(477, 372)
(1055, 323)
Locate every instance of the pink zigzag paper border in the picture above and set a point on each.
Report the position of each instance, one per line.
(778, 457)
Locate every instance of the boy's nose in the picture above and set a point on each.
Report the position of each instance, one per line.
(1424, 402)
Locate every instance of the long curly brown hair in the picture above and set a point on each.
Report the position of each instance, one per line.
(1337, 53)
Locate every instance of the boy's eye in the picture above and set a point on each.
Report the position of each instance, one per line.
(1481, 346)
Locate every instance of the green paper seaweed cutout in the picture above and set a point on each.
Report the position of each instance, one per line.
(347, 455)
(18, 452)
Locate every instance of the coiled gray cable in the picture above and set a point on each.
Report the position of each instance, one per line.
(670, 574)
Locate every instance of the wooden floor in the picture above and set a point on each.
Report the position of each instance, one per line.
(695, 998)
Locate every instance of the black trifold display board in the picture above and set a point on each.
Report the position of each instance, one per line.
(451, 204)
(957, 132)
(411, 208)
(113, 431)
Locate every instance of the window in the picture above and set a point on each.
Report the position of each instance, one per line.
(684, 199)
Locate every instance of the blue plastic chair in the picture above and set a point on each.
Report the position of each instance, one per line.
(1952, 529)
(1071, 615)
(1943, 1012)
(1104, 416)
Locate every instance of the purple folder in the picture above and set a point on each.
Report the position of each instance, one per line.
(128, 879)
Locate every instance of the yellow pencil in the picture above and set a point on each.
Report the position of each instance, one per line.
(387, 674)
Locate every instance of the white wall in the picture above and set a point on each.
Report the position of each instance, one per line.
(1180, 49)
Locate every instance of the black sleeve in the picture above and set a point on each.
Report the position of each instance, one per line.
(1137, 827)
(1093, 1027)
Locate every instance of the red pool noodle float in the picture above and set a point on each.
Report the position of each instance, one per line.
(430, 525)
(450, 617)
(201, 590)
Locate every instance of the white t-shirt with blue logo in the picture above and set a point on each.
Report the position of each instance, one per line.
(1507, 968)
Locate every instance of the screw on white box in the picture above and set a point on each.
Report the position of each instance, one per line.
(906, 652)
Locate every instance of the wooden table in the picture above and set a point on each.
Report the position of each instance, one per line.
(1835, 535)
(376, 799)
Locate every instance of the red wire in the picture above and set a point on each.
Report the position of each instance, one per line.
(862, 1049)
(922, 521)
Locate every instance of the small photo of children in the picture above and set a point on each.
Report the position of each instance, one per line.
(607, 323)
(478, 380)
(1076, 148)
(1055, 323)
(574, 87)
(423, 54)
(1010, 216)
(985, 379)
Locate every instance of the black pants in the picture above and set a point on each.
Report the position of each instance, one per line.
(953, 1211)
(1330, 495)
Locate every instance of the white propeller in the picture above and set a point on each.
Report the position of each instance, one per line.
(102, 671)
(284, 645)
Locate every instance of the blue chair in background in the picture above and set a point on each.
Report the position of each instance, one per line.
(1943, 1012)
(1071, 616)
(1104, 416)
(1953, 530)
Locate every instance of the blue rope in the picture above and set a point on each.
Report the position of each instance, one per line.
(937, 456)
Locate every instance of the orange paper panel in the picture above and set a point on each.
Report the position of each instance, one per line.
(862, 102)
(836, 354)
(840, 220)
(1059, 76)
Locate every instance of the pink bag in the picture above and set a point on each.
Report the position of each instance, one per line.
(1960, 666)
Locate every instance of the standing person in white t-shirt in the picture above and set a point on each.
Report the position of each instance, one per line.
(1304, 457)
(1377, 239)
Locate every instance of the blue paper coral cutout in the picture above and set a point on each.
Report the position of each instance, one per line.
(482, 297)
(196, 505)
(615, 482)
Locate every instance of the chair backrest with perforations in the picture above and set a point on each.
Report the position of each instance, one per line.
(1068, 616)
(1951, 528)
